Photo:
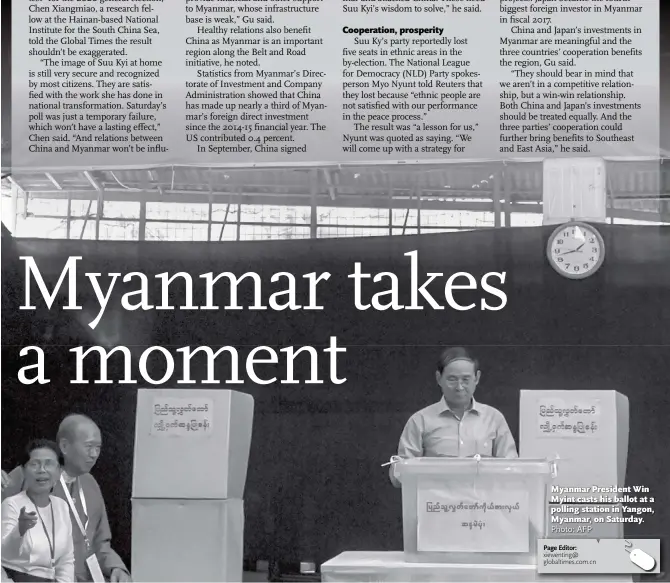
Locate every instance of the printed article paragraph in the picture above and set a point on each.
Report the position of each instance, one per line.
(140, 82)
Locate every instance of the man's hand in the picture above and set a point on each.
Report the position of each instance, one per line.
(119, 576)
(26, 521)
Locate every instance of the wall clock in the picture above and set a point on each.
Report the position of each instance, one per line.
(576, 250)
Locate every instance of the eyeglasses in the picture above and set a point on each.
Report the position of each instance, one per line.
(46, 465)
(452, 381)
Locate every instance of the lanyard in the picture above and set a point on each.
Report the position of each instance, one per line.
(52, 540)
(82, 500)
(70, 502)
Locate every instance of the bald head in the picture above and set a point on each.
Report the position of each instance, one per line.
(68, 426)
(79, 439)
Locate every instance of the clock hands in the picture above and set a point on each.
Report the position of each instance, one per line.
(574, 250)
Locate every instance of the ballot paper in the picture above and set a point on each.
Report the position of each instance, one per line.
(467, 516)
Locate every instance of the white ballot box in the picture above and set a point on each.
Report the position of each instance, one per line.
(188, 540)
(588, 431)
(191, 458)
(472, 510)
(192, 443)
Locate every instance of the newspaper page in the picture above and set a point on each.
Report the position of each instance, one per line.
(124, 82)
(266, 261)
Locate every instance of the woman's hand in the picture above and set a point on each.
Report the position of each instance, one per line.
(26, 521)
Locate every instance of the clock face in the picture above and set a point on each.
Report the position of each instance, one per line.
(576, 250)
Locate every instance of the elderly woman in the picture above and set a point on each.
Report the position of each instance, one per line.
(36, 526)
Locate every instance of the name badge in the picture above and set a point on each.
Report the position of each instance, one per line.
(94, 568)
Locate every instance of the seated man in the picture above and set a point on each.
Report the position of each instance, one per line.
(457, 425)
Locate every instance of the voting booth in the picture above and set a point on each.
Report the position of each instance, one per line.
(588, 432)
(190, 468)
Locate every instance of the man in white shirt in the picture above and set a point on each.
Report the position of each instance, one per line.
(457, 425)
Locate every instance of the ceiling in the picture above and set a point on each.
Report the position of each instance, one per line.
(636, 189)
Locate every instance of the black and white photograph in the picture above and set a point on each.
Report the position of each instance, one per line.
(335, 291)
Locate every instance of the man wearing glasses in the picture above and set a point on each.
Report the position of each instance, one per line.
(457, 425)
